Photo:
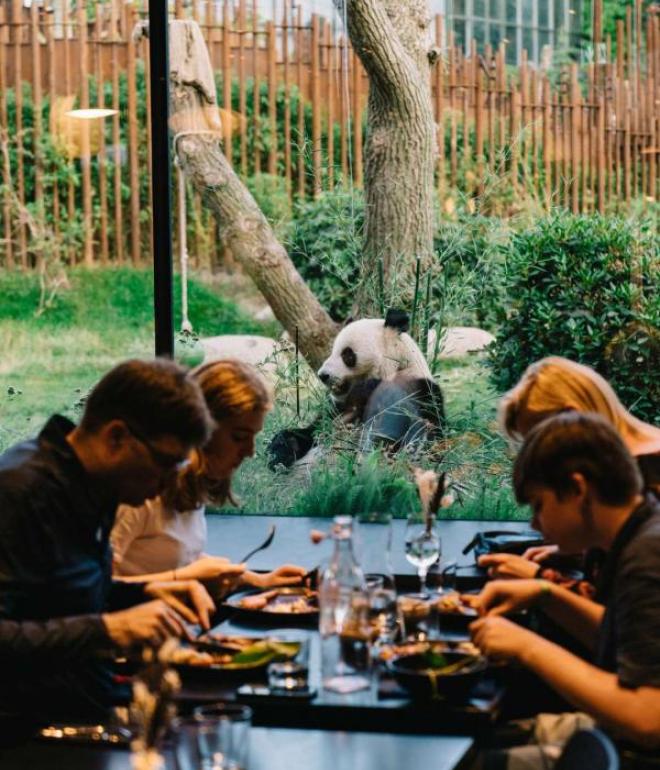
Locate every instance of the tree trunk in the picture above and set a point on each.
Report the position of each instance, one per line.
(392, 39)
(195, 121)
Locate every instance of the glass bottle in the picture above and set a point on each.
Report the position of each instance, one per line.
(344, 616)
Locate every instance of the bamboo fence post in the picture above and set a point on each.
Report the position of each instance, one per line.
(226, 82)
(287, 99)
(491, 97)
(242, 99)
(37, 127)
(17, 20)
(147, 85)
(209, 29)
(85, 152)
(256, 87)
(272, 98)
(501, 103)
(566, 136)
(52, 91)
(652, 148)
(179, 12)
(601, 152)
(547, 167)
(467, 151)
(330, 100)
(7, 239)
(627, 186)
(357, 119)
(101, 160)
(575, 140)
(533, 84)
(479, 128)
(301, 105)
(343, 108)
(515, 136)
(134, 161)
(453, 137)
(316, 109)
(524, 101)
(439, 107)
(116, 136)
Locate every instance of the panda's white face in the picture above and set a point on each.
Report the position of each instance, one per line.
(364, 349)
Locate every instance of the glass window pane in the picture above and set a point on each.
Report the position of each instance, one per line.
(459, 7)
(543, 12)
(479, 33)
(511, 45)
(479, 8)
(495, 9)
(459, 33)
(496, 35)
(528, 12)
(545, 38)
(528, 42)
(511, 11)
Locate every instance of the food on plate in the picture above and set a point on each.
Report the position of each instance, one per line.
(282, 601)
(453, 603)
(414, 607)
(391, 651)
(251, 653)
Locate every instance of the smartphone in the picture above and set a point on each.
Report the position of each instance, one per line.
(259, 691)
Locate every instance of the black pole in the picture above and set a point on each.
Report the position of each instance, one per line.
(161, 177)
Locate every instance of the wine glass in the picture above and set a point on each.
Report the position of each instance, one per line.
(423, 545)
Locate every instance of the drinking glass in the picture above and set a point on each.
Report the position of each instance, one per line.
(290, 675)
(423, 545)
(383, 611)
(223, 736)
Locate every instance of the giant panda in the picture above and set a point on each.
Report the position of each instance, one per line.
(378, 378)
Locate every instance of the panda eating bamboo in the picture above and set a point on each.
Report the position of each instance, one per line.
(377, 377)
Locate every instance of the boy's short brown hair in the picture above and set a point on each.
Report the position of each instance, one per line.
(576, 442)
(156, 397)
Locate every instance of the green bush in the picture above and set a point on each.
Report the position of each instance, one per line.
(271, 194)
(585, 287)
(324, 243)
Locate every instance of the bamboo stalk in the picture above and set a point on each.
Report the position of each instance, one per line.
(102, 162)
(515, 137)
(242, 98)
(52, 91)
(479, 130)
(17, 13)
(226, 81)
(547, 134)
(439, 108)
(272, 98)
(316, 108)
(37, 126)
(357, 120)
(287, 98)
(147, 78)
(601, 153)
(343, 107)
(85, 152)
(330, 101)
(453, 139)
(7, 235)
(301, 106)
(256, 87)
(134, 167)
(118, 248)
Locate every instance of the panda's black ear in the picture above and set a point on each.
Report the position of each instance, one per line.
(397, 319)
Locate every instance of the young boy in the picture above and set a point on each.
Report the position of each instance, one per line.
(585, 491)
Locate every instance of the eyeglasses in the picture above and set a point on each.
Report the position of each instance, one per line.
(164, 460)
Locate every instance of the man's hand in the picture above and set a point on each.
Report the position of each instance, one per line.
(150, 623)
(188, 597)
(502, 596)
(286, 575)
(509, 565)
(539, 553)
(501, 639)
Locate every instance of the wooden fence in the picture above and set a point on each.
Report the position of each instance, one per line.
(581, 136)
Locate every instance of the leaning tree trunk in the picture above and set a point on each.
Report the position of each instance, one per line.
(195, 121)
(392, 39)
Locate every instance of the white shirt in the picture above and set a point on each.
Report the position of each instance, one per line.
(152, 539)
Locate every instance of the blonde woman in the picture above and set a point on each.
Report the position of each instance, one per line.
(165, 538)
(554, 385)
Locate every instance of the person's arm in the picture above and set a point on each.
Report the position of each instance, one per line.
(62, 639)
(578, 615)
(632, 713)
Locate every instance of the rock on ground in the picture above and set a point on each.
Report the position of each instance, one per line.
(263, 352)
(460, 341)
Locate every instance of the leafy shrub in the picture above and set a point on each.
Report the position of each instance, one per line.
(270, 193)
(324, 244)
(585, 287)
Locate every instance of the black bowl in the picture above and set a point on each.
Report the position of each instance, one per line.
(437, 673)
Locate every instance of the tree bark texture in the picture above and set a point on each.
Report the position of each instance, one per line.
(392, 39)
(196, 124)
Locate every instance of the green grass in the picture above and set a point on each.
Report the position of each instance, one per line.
(49, 361)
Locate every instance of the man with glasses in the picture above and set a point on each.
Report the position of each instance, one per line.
(60, 610)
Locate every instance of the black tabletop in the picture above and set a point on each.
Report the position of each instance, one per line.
(274, 749)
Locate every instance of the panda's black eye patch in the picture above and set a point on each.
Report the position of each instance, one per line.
(348, 357)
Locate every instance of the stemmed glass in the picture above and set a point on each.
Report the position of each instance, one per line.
(423, 545)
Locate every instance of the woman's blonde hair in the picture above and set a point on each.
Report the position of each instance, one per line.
(555, 384)
(231, 388)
